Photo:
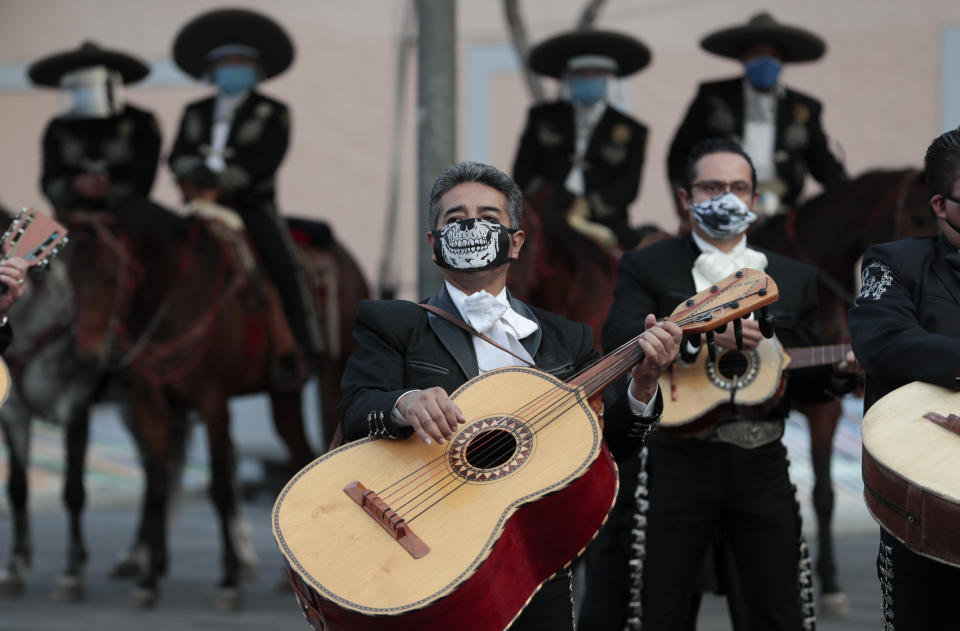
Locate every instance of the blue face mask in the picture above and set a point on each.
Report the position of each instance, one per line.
(763, 71)
(588, 90)
(234, 79)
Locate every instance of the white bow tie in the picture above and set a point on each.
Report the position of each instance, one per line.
(713, 266)
(482, 310)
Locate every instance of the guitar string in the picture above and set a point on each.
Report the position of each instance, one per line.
(679, 319)
(501, 445)
(505, 444)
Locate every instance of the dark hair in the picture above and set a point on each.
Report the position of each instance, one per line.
(940, 164)
(464, 172)
(709, 147)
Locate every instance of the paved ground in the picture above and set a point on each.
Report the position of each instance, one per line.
(189, 588)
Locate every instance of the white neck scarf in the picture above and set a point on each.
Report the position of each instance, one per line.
(493, 316)
(714, 264)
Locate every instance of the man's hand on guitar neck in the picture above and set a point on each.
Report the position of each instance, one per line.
(13, 274)
(660, 343)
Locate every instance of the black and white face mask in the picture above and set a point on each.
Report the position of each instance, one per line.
(472, 245)
(723, 217)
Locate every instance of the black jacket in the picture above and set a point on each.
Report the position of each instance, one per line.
(125, 147)
(612, 163)
(905, 325)
(801, 145)
(657, 278)
(259, 135)
(401, 347)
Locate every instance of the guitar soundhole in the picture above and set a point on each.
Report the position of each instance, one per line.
(733, 364)
(490, 449)
(734, 369)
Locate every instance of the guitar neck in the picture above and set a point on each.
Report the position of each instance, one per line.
(817, 355)
(600, 375)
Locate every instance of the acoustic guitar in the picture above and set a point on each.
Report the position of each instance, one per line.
(36, 238)
(751, 377)
(911, 477)
(397, 535)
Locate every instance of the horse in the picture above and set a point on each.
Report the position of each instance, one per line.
(831, 231)
(165, 298)
(559, 269)
(48, 381)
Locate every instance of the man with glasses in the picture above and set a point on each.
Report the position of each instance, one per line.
(905, 327)
(731, 478)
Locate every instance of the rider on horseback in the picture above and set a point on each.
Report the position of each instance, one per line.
(241, 136)
(104, 150)
(588, 152)
(779, 128)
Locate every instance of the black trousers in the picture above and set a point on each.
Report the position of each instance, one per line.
(268, 233)
(550, 609)
(918, 592)
(695, 489)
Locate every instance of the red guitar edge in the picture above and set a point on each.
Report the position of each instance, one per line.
(538, 538)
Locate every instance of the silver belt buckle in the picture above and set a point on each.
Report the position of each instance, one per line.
(750, 434)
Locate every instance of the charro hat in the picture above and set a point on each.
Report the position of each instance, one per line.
(50, 70)
(232, 31)
(796, 44)
(551, 57)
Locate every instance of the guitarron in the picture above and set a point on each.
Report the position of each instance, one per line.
(396, 535)
(911, 481)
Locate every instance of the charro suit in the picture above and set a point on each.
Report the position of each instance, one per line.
(905, 327)
(124, 147)
(692, 487)
(401, 347)
(800, 146)
(612, 163)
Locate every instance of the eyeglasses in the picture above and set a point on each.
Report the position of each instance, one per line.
(953, 199)
(716, 187)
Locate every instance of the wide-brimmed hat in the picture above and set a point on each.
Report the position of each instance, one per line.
(796, 44)
(551, 57)
(49, 70)
(232, 29)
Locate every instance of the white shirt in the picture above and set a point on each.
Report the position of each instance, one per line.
(714, 264)
(760, 129)
(585, 119)
(224, 108)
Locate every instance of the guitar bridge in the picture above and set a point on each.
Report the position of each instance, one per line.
(388, 519)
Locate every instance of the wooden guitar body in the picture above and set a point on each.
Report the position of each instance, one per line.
(752, 376)
(911, 451)
(488, 533)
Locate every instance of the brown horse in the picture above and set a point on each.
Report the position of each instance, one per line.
(163, 297)
(559, 269)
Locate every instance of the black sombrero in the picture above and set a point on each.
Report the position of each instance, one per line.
(232, 28)
(551, 56)
(50, 70)
(796, 44)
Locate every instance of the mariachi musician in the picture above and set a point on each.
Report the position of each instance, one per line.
(585, 150)
(905, 327)
(103, 150)
(779, 128)
(241, 135)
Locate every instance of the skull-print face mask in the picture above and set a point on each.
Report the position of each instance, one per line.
(472, 245)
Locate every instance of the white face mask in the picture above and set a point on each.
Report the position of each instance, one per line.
(96, 92)
(723, 217)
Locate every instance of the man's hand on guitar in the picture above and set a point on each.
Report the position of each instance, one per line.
(660, 343)
(431, 414)
(751, 335)
(13, 274)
